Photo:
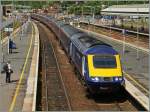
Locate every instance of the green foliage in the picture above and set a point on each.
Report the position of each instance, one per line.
(33, 4)
(88, 7)
(85, 7)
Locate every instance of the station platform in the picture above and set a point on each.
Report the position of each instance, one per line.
(13, 93)
(107, 25)
(130, 37)
(135, 69)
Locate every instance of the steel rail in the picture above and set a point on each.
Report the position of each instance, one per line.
(60, 75)
(46, 89)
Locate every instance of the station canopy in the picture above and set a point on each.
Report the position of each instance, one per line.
(139, 10)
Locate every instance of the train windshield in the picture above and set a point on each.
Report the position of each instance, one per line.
(104, 61)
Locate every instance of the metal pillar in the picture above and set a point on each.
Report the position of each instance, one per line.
(137, 51)
(82, 13)
(124, 39)
(149, 46)
(93, 13)
(1, 17)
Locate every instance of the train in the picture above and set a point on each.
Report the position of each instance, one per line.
(97, 62)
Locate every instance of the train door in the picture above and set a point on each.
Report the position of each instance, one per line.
(70, 49)
(83, 66)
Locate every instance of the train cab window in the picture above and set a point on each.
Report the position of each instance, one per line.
(104, 61)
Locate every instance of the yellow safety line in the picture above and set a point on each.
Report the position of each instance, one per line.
(21, 77)
(137, 82)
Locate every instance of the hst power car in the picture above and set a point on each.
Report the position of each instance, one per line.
(97, 62)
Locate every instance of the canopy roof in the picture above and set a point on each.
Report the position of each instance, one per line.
(127, 10)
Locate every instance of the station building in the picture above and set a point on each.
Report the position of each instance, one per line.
(133, 10)
(134, 15)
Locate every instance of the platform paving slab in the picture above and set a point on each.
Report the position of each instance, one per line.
(17, 59)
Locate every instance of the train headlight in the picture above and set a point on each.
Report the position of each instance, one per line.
(95, 79)
(120, 78)
(116, 78)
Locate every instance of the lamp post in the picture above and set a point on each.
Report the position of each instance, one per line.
(67, 12)
(93, 12)
(149, 41)
(1, 17)
(88, 18)
(102, 20)
(13, 7)
(82, 13)
(110, 17)
(137, 52)
(78, 21)
(124, 38)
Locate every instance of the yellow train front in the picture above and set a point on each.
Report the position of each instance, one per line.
(104, 73)
(98, 63)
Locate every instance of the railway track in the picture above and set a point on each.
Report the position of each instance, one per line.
(55, 97)
(78, 96)
(143, 40)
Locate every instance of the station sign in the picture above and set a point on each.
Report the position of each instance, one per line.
(8, 29)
